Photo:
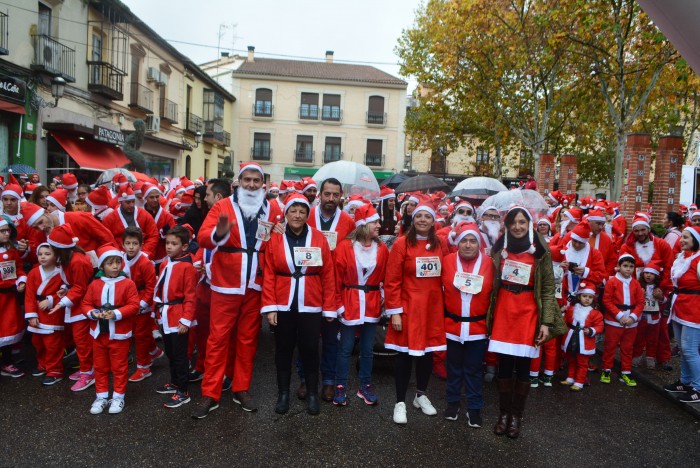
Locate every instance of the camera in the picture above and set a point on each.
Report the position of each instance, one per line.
(572, 266)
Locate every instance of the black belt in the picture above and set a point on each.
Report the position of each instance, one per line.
(575, 328)
(677, 291)
(651, 312)
(459, 318)
(170, 303)
(39, 297)
(363, 287)
(624, 306)
(297, 274)
(107, 307)
(11, 289)
(249, 250)
(517, 288)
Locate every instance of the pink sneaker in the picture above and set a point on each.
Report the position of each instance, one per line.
(74, 376)
(85, 381)
(158, 354)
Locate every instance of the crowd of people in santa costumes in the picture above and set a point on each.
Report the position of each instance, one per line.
(469, 293)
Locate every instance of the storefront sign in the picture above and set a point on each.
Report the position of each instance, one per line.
(12, 89)
(107, 135)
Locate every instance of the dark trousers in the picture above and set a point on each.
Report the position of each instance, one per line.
(508, 364)
(464, 369)
(403, 362)
(6, 355)
(176, 349)
(301, 330)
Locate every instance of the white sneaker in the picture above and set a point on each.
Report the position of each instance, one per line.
(116, 405)
(424, 405)
(400, 413)
(157, 335)
(99, 405)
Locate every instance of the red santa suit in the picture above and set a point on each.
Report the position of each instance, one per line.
(578, 318)
(111, 337)
(341, 226)
(648, 327)
(604, 244)
(164, 221)
(359, 286)
(91, 233)
(11, 320)
(116, 223)
(47, 338)
(174, 295)
(623, 297)
(142, 272)
(685, 275)
(656, 250)
(594, 269)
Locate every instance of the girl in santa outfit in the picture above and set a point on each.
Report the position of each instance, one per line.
(76, 271)
(360, 267)
(414, 301)
(110, 304)
(624, 302)
(12, 281)
(389, 216)
(523, 313)
(584, 324)
(648, 327)
(43, 284)
(467, 281)
(408, 204)
(685, 315)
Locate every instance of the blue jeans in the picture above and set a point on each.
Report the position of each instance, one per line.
(329, 350)
(347, 342)
(688, 339)
(464, 368)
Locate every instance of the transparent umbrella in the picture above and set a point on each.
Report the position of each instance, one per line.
(529, 199)
(479, 186)
(107, 176)
(356, 178)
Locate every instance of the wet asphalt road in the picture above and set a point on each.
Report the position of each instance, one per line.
(604, 424)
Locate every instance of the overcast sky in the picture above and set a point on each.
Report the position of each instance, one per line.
(363, 31)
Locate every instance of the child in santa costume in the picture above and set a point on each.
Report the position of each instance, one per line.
(624, 302)
(648, 327)
(584, 324)
(12, 281)
(174, 299)
(43, 284)
(111, 303)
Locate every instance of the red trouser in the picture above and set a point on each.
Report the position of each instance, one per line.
(83, 344)
(49, 352)
(238, 315)
(647, 338)
(578, 367)
(663, 348)
(145, 343)
(552, 358)
(111, 355)
(624, 338)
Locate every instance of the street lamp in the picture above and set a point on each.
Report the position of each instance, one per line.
(58, 86)
(197, 139)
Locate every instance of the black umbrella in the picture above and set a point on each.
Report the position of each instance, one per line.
(395, 180)
(19, 169)
(421, 183)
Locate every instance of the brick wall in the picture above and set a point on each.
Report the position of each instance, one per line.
(667, 176)
(635, 184)
(545, 173)
(568, 170)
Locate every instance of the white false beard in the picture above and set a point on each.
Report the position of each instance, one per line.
(492, 229)
(250, 201)
(456, 219)
(645, 252)
(581, 314)
(562, 227)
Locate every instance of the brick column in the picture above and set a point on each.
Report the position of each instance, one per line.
(635, 183)
(568, 170)
(545, 173)
(667, 176)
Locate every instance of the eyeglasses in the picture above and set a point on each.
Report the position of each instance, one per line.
(464, 212)
(4, 231)
(491, 217)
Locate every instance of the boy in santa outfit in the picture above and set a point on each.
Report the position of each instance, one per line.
(584, 324)
(624, 303)
(111, 303)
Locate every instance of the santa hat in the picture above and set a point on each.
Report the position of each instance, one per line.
(586, 288)
(412, 196)
(190, 229)
(530, 229)
(545, 220)
(581, 232)
(425, 204)
(294, 199)
(186, 200)
(58, 198)
(13, 180)
(693, 206)
(365, 214)
(31, 212)
(694, 231)
(120, 179)
(126, 193)
(586, 202)
(574, 215)
(99, 198)
(12, 190)
(654, 266)
(29, 188)
(69, 181)
(462, 230)
(4, 221)
(694, 214)
(199, 181)
(62, 237)
(556, 196)
(386, 193)
(596, 215)
(626, 258)
(250, 165)
(272, 187)
(354, 200)
(138, 187)
(683, 209)
(286, 186)
(175, 208)
(463, 203)
(148, 188)
(307, 183)
(106, 251)
(640, 221)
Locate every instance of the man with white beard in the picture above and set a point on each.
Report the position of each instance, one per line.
(490, 225)
(237, 228)
(645, 247)
(463, 211)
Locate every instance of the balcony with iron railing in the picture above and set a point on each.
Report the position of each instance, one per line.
(263, 110)
(332, 156)
(141, 97)
(376, 119)
(261, 154)
(194, 123)
(213, 132)
(331, 114)
(304, 157)
(54, 58)
(374, 160)
(4, 33)
(168, 111)
(308, 113)
(106, 79)
(227, 138)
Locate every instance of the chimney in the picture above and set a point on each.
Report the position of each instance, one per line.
(251, 54)
(329, 56)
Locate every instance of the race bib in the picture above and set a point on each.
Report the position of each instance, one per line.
(307, 256)
(557, 290)
(468, 283)
(516, 272)
(264, 230)
(428, 267)
(332, 238)
(9, 271)
(651, 305)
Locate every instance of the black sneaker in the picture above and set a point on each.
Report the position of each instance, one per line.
(474, 418)
(167, 389)
(245, 400)
(50, 380)
(691, 396)
(677, 387)
(205, 406)
(38, 372)
(196, 376)
(226, 384)
(452, 411)
(178, 399)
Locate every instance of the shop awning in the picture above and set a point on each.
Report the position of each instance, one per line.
(10, 107)
(90, 154)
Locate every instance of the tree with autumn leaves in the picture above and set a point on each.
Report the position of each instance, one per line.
(549, 75)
